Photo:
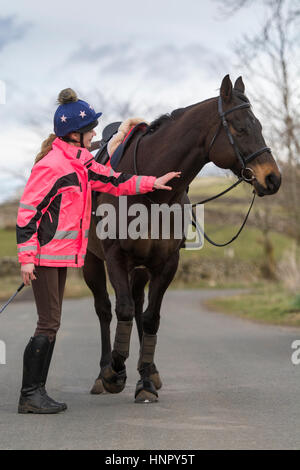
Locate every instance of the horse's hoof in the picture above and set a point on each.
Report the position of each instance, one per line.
(145, 397)
(97, 388)
(155, 378)
(153, 374)
(113, 382)
(145, 392)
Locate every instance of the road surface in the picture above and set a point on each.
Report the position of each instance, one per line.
(227, 383)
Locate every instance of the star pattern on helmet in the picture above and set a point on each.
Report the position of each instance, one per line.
(82, 114)
(63, 118)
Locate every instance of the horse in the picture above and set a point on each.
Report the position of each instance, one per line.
(222, 130)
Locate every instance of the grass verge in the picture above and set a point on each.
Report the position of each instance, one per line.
(270, 304)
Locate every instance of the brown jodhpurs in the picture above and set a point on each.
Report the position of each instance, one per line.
(48, 289)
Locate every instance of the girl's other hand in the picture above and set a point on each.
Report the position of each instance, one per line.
(27, 273)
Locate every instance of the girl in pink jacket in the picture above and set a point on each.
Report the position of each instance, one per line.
(52, 230)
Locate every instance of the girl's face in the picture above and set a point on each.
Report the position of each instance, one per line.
(87, 138)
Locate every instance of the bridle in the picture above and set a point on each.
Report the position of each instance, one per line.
(243, 160)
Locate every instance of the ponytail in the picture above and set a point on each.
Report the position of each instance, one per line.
(45, 147)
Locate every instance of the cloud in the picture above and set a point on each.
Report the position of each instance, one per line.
(85, 53)
(119, 79)
(11, 31)
(160, 62)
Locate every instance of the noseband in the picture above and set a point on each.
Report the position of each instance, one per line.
(243, 160)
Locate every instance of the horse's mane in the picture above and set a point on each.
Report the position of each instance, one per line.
(168, 117)
(174, 115)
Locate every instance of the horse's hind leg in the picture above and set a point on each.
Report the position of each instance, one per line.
(160, 280)
(138, 281)
(95, 277)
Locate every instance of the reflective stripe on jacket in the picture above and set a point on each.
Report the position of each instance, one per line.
(55, 208)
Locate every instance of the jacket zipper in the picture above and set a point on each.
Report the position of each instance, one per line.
(39, 252)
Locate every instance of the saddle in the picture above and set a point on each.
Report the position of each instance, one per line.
(102, 156)
(107, 133)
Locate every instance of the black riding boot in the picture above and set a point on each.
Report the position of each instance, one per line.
(34, 398)
(45, 375)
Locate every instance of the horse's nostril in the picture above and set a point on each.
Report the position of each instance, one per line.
(272, 182)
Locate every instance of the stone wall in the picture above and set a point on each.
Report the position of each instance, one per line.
(189, 272)
(9, 266)
(223, 270)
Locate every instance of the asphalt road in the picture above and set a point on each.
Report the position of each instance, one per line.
(227, 383)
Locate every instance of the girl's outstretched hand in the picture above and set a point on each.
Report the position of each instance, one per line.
(160, 183)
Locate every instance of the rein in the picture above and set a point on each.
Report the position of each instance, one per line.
(243, 160)
(215, 197)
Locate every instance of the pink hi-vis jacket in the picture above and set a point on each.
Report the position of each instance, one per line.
(55, 209)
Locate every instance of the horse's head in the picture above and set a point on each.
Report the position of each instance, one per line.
(238, 143)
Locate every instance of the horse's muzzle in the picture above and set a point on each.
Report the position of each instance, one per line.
(271, 186)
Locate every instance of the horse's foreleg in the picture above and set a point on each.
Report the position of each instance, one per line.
(114, 377)
(160, 280)
(139, 279)
(95, 277)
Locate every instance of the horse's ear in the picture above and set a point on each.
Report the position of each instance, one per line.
(239, 85)
(226, 89)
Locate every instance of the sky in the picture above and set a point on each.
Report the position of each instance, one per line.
(125, 58)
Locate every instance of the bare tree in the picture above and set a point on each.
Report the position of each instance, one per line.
(270, 61)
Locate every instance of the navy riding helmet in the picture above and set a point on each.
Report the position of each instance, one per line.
(73, 115)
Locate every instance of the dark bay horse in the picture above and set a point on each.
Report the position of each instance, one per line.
(222, 130)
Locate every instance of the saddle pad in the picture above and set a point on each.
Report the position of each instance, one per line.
(119, 152)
